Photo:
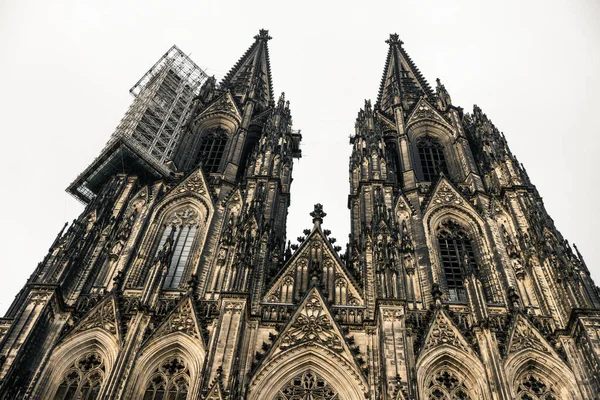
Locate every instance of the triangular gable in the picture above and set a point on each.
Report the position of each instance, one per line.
(443, 332)
(425, 111)
(182, 319)
(103, 315)
(444, 194)
(194, 182)
(525, 336)
(403, 205)
(312, 323)
(223, 105)
(289, 269)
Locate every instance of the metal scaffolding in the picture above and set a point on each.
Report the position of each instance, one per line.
(148, 133)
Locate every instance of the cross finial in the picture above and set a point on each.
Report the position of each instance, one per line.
(394, 39)
(318, 214)
(263, 34)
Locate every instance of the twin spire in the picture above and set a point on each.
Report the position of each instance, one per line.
(402, 82)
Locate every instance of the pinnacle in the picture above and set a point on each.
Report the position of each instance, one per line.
(394, 39)
(263, 34)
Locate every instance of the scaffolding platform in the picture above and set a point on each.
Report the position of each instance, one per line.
(145, 139)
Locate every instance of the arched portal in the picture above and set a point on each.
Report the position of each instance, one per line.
(318, 371)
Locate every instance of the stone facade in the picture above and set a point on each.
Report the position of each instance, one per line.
(455, 284)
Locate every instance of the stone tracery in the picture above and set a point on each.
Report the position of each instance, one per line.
(307, 386)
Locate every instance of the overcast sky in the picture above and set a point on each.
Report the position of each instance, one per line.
(66, 68)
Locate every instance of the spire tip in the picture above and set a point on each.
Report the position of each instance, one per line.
(394, 39)
(263, 34)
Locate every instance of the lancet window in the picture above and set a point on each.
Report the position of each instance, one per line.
(83, 379)
(457, 258)
(446, 385)
(307, 386)
(531, 387)
(170, 381)
(211, 150)
(181, 228)
(393, 161)
(433, 160)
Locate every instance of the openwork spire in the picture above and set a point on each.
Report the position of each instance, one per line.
(250, 77)
(402, 82)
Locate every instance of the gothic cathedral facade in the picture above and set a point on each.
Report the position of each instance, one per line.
(177, 282)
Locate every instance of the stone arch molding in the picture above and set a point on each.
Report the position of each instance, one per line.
(341, 376)
(94, 340)
(459, 365)
(178, 345)
(554, 374)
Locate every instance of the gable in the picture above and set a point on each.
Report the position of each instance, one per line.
(423, 111)
(525, 336)
(446, 194)
(103, 315)
(443, 332)
(314, 257)
(312, 324)
(182, 319)
(223, 105)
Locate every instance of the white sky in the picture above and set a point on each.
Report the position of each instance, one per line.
(66, 68)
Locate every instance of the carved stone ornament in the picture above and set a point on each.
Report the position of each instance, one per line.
(180, 320)
(194, 183)
(525, 338)
(102, 317)
(441, 332)
(312, 323)
(307, 386)
(445, 195)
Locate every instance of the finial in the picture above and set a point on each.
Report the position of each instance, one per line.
(263, 34)
(394, 39)
(318, 214)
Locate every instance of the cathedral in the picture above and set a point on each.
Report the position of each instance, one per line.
(178, 280)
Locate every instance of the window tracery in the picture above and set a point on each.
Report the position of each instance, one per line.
(182, 227)
(431, 155)
(83, 379)
(531, 387)
(212, 148)
(457, 257)
(170, 381)
(446, 385)
(307, 386)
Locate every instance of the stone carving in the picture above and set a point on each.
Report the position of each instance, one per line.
(525, 338)
(446, 385)
(103, 316)
(312, 323)
(441, 332)
(180, 320)
(307, 386)
(194, 183)
(446, 195)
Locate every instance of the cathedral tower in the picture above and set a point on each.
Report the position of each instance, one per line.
(177, 281)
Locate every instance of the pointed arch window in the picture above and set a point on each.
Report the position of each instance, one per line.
(211, 150)
(431, 155)
(457, 258)
(532, 387)
(83, 379)
(393, 161)
(446, 385)
(182, 228)
(170, 381)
